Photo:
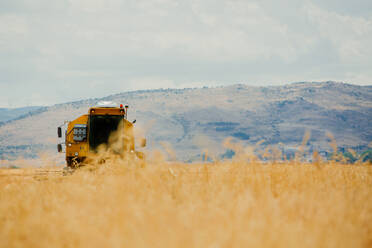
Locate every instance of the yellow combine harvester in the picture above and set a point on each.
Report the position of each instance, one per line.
(87, 133)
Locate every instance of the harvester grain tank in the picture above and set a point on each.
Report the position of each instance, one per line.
(87, 133)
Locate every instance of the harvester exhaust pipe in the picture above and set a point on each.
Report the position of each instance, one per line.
(126, 111)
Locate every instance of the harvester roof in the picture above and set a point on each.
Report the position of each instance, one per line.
(106, 111)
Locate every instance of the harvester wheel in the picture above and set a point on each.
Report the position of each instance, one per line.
(74, 162)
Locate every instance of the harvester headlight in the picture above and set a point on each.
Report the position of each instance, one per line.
(69, 144)
(76, 154)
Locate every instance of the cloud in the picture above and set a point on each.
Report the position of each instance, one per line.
(351, 36)
(67, 50)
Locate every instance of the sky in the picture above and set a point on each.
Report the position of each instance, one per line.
(65, 50)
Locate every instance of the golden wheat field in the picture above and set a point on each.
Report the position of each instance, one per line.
(237, 203)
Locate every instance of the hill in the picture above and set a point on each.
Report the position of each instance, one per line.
(8, 114)
(191, 120)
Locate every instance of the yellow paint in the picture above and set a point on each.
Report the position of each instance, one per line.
(82, 147)
(106, 111)
(72, 146)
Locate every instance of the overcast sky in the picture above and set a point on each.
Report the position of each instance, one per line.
(63, 50)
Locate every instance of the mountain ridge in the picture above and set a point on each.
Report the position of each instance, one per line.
(194, 119)
(9, 114)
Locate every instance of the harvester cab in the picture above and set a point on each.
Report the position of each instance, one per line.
(101, 127)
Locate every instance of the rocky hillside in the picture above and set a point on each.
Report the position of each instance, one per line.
(192, 120)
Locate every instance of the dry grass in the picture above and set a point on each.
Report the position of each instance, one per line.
(159, 204)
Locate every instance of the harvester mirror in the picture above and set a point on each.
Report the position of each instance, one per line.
(59, 132)
(134, 121)
(143, 142)
(59, 148)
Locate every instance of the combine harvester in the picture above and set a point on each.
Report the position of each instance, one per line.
(87, 133)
